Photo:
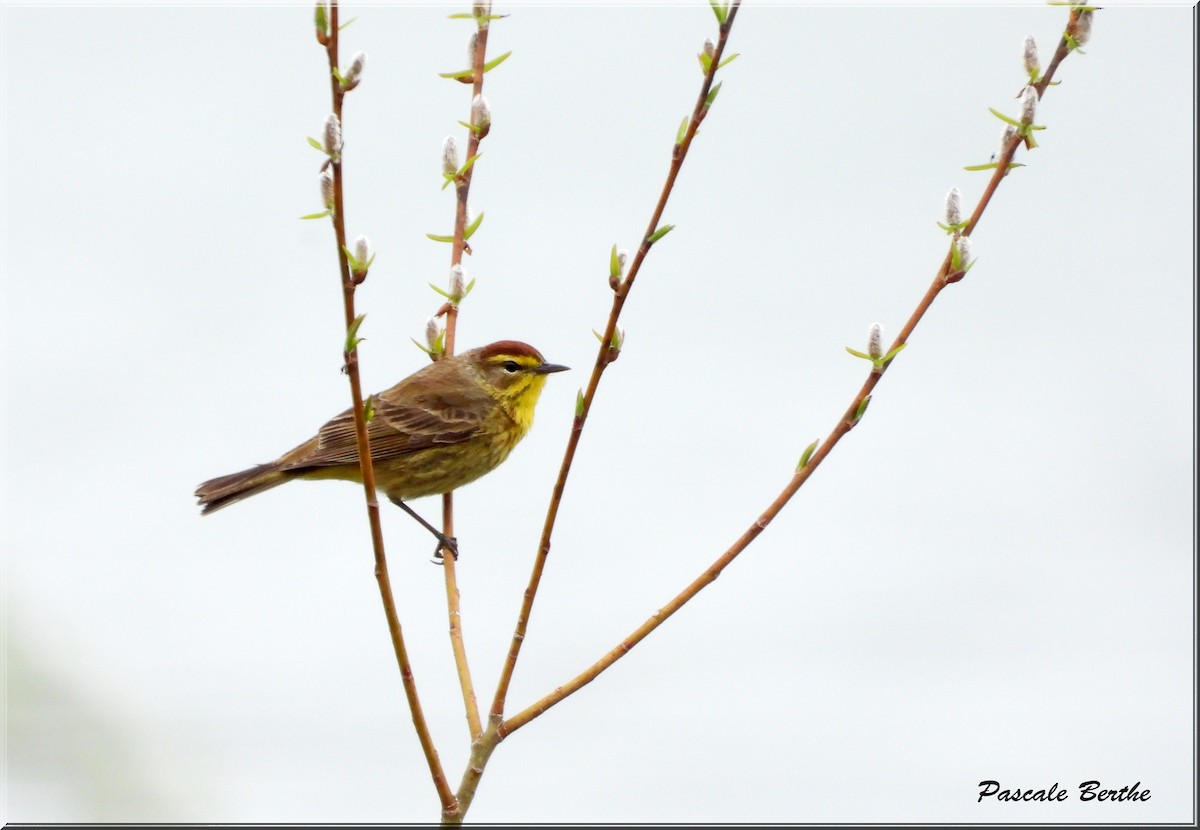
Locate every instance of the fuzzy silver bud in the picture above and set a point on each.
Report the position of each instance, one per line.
(1083, 27)
(875, 341)
(1030, 55)
(362, 252)
(433, 330)
(333, 136)
(482, 9)
(953, 207)
(481, 113)
(710, 48)
(1008, 135)
(962, 244)
(354, 73)
(622, 258)
(449, 156)
(471, 42)
(1029, 100)
(458, 283)
(326, 179)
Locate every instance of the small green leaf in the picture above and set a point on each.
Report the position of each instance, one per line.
(705, 62)
(450, 178)
(1004, 117)
(614, 264)
(421, 346)
(492, 64)
(352, 338)
(440, 291)
(368, 410)
(475, 128)
(474, 226)
(466, 73)
(732, 57)
(467, 289)
(887, 358)
(659, 234)
(860, 354)
(320, 215)
(469, 164)
(319, 18)
(579, 404)
(599, 336)
(437, 238)
(316, 143)
(683, 125)
(712, 95)
(807, 455)
(719, 10)
(347, 23)
(862, 409)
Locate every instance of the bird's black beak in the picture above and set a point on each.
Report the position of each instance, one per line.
(549, 368)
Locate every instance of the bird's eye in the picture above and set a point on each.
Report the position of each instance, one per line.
(511, 366)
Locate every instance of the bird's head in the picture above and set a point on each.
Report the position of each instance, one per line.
(515, 373)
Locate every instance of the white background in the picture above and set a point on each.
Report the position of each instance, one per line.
(991, 578)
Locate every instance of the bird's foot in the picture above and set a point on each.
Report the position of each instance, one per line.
(445, 542)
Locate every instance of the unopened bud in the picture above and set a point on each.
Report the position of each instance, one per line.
(433, 332)
(709, 48)
(449, 156)
(482, 9)
(354, 73)
(1006, 138)
(458, 283)
(1032, 66)
(622, 257)
(333, 136)
(471, 43)
(362, 251)
(953, 207)
(481, 114)
(1083, 27)
(326, 179)
(1029, 99)
(963, 246)
(875, 341)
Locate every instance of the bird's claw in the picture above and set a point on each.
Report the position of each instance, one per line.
(449, 543)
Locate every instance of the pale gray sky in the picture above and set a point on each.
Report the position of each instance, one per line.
(991, 578)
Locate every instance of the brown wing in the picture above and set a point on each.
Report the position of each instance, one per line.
(411, 416)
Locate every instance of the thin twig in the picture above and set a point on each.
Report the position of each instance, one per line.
(847, 422)
(462, 191)
(605, 356)
(364, 449)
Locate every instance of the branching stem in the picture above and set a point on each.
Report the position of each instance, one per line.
(604, 356)
(843, 426)
(364, 451)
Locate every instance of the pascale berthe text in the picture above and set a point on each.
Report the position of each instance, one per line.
(1088, 791)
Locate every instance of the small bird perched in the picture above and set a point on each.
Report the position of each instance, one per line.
(435, 431)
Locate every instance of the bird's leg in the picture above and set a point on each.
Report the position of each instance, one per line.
(444, 541)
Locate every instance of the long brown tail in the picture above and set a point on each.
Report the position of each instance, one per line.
(219, 492)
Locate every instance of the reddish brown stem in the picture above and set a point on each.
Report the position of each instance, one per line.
(364, 450)
(462, 191)
(846, 423)
(604, 356)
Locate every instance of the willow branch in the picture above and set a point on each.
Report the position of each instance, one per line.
(944, 276)
(606, 355)
(349, 282)
(450, 311)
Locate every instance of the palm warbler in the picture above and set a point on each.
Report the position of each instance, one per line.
(438, 429)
